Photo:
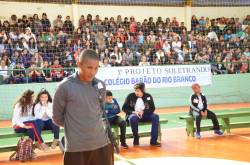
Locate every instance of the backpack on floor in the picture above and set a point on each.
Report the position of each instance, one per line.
(23, 150)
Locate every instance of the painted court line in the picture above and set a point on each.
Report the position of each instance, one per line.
(124, 159)
(231, 134)
(244, 137)
(184, 160)
(177, 121)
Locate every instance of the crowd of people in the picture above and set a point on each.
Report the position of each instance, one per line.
(45, 47)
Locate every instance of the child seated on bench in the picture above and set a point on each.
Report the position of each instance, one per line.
(112, 108)
(198, 109)
(139, 107)
(24, 121)
(42, 111)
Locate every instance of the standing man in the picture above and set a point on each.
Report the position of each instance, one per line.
(139, 107)
(77, 107)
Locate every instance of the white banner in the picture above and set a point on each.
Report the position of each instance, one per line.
(155, 76)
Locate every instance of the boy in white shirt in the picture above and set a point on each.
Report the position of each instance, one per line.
(198, 109)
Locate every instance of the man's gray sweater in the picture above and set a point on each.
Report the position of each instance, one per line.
(76, 107)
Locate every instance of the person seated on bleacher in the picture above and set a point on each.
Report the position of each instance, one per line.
(112, 108)
(198, 109)
(24, 121)
(42, 111)
(46, 71)
(139, 107)
(56, 72)
(35, 74)
(18, 74)
(4, 71)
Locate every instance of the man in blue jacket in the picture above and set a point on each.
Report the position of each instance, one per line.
(112, 108)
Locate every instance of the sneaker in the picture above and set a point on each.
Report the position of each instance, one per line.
(124, 145)
(197, 135)
(157, 144)
(45, 147)
(54, 143)
(218, 132)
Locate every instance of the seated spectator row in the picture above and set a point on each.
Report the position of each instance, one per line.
(46, 73)
(35, 42)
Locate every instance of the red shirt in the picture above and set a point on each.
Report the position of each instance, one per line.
(132, 27)
(56, 72)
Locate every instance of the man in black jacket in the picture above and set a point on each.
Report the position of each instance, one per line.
(139, 107)
(198, 109)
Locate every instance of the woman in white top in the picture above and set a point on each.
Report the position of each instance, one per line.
(176, 44)
(144, 61)
(117, 54)
(4, 71)
(24, 121)
(43, 114)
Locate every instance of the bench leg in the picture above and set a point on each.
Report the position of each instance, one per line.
(225, 125)
(159, 133)
(116, 135)
(190, 127)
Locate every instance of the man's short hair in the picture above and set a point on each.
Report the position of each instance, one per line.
(109, 93)
(88, 54)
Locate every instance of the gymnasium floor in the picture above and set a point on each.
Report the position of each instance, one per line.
(176, 146)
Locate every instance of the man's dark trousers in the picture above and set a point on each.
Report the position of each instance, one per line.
(101, 156)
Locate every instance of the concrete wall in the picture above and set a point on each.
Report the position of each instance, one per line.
(225, 89)
(139, 12)
(214, 12)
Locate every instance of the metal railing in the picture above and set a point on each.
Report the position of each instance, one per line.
(39, 75)
(23, 75)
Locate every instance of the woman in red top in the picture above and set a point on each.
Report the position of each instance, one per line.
(132, 27)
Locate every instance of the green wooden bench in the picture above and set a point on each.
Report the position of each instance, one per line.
(225, 123)
(141, 133)
(6, 133)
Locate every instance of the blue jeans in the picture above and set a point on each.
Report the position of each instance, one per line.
(19, 80)
(38, 79)
(147, 117)
(33, 133)
(49, 125)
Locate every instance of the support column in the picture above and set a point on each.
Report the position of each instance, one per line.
(189, 2)
(188, 13)
(75, 14)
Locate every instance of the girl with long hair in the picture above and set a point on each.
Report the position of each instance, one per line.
(42, 111)
(24, 121)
